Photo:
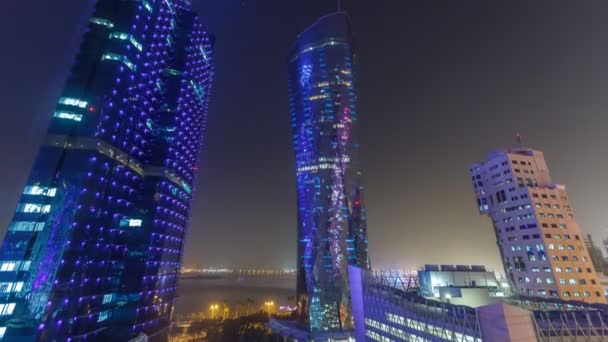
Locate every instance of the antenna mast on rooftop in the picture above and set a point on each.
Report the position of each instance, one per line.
(520, 141)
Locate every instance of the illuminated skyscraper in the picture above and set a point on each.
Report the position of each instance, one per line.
(542, 246)
(331, 215)
(94, 249)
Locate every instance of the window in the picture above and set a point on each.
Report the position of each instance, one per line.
(26, 226)
(568, 269)
(126, 36)
(101, 21)
(582, 281)
(7, 309)
(562, 281)
(68, 115)
(586, 294)
(566, 294)
(547, 269)
(115, 57)
(572, 281)
(558, 269)
(564, 258)
(103, 316)
(576, 294)
(108, 298)
(40, 191)
(33, 208)
(550, 281)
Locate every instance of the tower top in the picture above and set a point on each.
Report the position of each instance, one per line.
(520, 142)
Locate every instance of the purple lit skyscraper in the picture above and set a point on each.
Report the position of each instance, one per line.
(331, 215)
(94, 249)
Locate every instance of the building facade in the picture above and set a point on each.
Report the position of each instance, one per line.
(541, 245)
(331, 213)
(597, 258)
(388, 307)
(94, 248)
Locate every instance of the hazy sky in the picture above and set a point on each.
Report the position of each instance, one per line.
(440, 84)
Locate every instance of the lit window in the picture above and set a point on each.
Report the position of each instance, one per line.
(108, 298)
(126, 36)
(40, 191)
(120, 58)
(68, 101)
(24, 226)
(101, 21)
(103, 316)
(7, 309)
(62, 114)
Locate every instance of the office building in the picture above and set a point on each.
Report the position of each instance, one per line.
(541, 244)
(331, 212)
(93, 251)
(460, 284)
(596, 255)
(389, 307)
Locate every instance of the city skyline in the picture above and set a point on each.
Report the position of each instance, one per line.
(513, 96)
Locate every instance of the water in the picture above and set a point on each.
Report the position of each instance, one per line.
(196, 295)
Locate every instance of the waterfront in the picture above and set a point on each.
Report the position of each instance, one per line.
(241, 295)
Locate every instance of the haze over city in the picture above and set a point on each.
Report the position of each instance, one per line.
(440, 84)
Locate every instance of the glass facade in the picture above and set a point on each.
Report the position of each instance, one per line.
(331, 214)
(95, 245)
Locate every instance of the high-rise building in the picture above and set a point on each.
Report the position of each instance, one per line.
(331, 214)
(596, 255)
(541, 245)
(94, 248)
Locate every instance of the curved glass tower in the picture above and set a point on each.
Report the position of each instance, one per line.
(331, 215)
(94, 249)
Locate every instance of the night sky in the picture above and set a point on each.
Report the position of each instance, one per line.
(440, 84)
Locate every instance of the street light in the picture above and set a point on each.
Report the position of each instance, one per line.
(269, 305)
(213, 308)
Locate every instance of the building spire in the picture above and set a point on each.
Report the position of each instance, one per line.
(520, 141)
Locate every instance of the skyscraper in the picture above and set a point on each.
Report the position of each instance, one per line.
(331, 214)
(94, 248)
(597, 258)
(541, 245)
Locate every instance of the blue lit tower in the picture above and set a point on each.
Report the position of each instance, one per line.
(331, 215)
(94, 248)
